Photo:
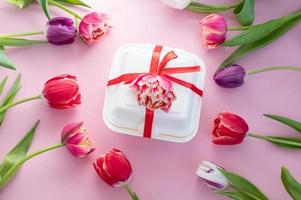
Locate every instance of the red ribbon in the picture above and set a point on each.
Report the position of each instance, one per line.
(157, 67)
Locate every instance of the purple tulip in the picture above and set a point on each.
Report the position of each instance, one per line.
(60, 31)
(230, 77)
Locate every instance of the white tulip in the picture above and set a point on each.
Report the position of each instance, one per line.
(178, 4)
(211, 175)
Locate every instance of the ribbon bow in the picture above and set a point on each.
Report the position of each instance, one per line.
(159, 68)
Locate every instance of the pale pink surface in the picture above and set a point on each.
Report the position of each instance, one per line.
(162, 170)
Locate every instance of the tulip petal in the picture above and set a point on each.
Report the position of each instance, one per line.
(79, 151)
(61, 21)
(70, 130)
(117, 165)
(76, 141)
(60, 31)
(234, 122)
(215, 131)
(226, 140)
(69, 104)
(154, 91)
(211, 175)
(230, 77)
(99, 167)
(61, 92)
(93, 26)
(178, 4)
(223, 129)
(214, 29)
(92, 18)
(63, 76)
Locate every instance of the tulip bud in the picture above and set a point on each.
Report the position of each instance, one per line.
(62, 92)
(114, 168)
(93, 27)
(229, 129)
(211, 175)
(178, 4)
(230, 77)
(60, 31)
(214, 29)
(75, 138)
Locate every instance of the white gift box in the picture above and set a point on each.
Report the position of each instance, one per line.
(123, 114)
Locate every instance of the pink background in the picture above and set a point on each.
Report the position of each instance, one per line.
(162, 170)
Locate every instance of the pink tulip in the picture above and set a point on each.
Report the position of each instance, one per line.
(214, 29)
(93, 27)
(75, 138)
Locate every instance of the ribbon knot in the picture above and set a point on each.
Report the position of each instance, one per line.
(156, 67)
(159, 68)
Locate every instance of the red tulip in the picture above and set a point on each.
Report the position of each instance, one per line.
(114, 168)
(229, 129)
(62, 92)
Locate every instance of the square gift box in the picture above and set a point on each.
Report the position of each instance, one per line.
(122, 112)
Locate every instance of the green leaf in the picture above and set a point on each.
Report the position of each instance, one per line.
(15, 155)
(2, 84)
(2, 48)
(20, 42)
(21, 3)
(10, 96)
(248, 48)
(236, 195)
(291, 185)
(243, 185)
(290, 122)
(245, 12)
(74, 2)
(261, 30)
(286, 142)
(204, 8)
(254, 33)
(249, 194)
(44, 6)
(5, 61)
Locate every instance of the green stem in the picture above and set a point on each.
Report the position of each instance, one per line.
(41, 151)
(128, 189)
(256, 136)
(21, 34)
(7, 177)
(76, 21)
(130, 192)
(204, 8)
(7, 106)
(61, 6)
(266, 69)
(238, 28)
